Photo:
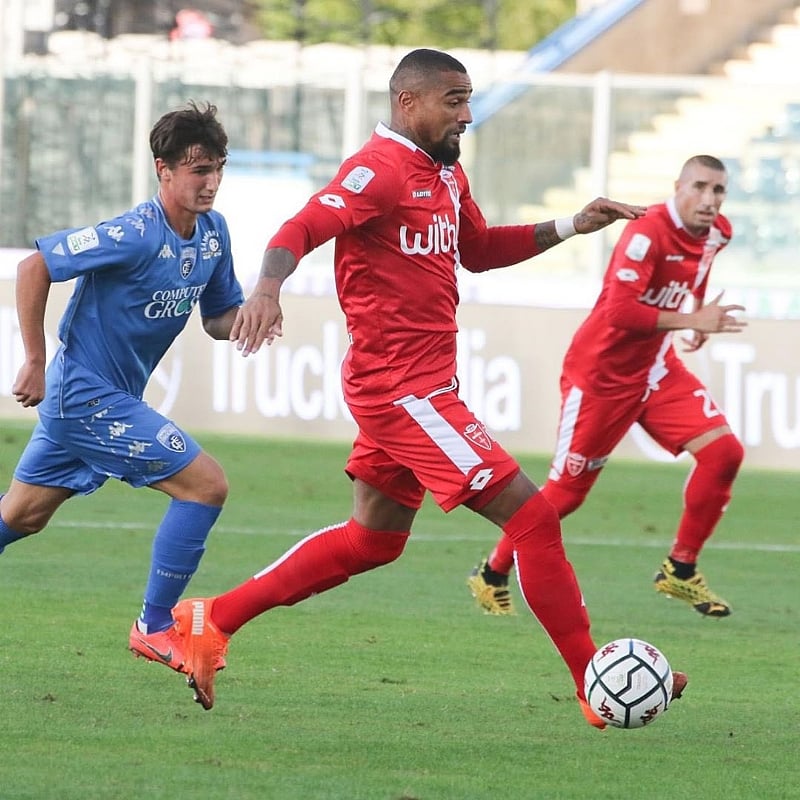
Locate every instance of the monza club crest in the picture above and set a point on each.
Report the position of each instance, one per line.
(575, 463)
(476, 433)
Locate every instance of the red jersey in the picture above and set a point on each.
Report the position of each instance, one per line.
(656, 264)
(403, 225)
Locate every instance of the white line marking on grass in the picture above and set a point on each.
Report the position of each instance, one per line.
(488, 539)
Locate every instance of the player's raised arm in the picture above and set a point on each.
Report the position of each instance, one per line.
(601, 212)
(261, 318)
(594, 216)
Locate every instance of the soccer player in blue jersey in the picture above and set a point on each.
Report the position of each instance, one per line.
(138, 278)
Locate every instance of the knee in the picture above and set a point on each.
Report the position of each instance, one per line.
(217, 490)
(376, 548)
(27, 508)
(393, 546)
(564, 499)
(211, 486)
(26, 521)
(723, 455)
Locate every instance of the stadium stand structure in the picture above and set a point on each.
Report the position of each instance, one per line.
(718, 104)
(745, 109)
(723, 117)
(554, 52)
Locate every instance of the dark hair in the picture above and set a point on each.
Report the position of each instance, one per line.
(173, 136)
(711, 162)
(418, 65)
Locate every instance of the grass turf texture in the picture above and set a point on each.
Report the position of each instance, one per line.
(394, 686)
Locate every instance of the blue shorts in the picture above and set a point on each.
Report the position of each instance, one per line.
(126, 439)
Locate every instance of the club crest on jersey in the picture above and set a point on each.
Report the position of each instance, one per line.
(575, 463)
(171, 438)
(357, 179)
(476, 433)
(188, 257)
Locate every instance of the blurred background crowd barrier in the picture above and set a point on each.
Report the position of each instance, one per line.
(551, 132)
(75, 126)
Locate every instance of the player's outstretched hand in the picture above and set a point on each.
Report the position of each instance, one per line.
(601, 212)
(716, 318)
(260, 319)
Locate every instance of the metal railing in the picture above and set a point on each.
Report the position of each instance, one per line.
(74, 152)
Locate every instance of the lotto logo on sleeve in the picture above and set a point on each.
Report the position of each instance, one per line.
(331, 200)
(82, 240)
(171, 438)
(357, 179)
(627, 275)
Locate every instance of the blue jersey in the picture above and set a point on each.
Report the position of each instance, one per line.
(137, 283)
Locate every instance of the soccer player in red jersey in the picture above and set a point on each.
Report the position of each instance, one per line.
(405, 222)
(621, 368)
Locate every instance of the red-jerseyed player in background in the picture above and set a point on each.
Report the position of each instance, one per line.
(621, 368)
(404, 221)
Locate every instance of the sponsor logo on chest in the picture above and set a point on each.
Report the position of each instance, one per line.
(440, 236)
(671, 296)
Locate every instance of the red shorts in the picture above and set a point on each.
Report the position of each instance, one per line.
(591, 426)
(433, 443)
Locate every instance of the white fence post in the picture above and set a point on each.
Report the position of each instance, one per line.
(143, 104)
(600, 150)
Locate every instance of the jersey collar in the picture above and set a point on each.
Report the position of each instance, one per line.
(387, 133)
(673, 212)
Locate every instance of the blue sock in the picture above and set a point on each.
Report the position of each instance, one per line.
(178, 546)
(7, 535)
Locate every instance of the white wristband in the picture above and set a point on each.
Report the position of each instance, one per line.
(565, 227)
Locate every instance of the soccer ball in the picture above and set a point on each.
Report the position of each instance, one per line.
(628, 683)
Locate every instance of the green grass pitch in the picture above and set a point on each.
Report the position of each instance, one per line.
(394, 686)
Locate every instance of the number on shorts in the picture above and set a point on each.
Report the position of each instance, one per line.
(709, 409)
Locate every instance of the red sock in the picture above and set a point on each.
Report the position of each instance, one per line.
(317, 563)
(565, 502)
(706, 495)
(548, 583)
(501, 558)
